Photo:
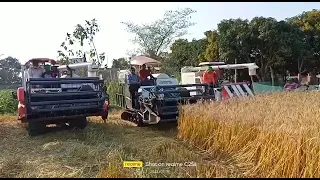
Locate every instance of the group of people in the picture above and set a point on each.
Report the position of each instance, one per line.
(291, 85)
(135, 80)
(36, 71)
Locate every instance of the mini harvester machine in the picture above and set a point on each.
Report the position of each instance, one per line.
(160, 100)
(61, 101)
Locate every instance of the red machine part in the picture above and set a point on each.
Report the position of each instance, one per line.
(224, 94)
(104, 116)
(21, 104)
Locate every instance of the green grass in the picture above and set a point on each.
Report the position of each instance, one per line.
(7, 104)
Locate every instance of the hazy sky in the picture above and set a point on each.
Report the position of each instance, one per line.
(36, 29)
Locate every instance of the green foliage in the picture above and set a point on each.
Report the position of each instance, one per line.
(83, 35)
(155, 38)
(113, 88)
(10, 69)
(185, 53)
(8, 105)
(212, 50)
(120, 63)
(309, 23)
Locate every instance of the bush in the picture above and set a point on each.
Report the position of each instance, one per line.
(8, 105)
(113, 88)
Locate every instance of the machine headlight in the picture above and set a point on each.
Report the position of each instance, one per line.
(161, 96)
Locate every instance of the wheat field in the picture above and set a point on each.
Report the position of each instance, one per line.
(265, 136)
(274, 135)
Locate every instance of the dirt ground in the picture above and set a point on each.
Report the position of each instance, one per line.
(100, 149)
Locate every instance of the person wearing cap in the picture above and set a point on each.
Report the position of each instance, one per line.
(210, 76)
(47, 73)
(290, 85)
(133, 82)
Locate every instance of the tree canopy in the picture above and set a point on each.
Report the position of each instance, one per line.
(81, 42)
(120, 63)
(154, 38)
(10, 69)
(275, 46)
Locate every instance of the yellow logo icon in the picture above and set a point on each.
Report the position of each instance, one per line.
(132, 164)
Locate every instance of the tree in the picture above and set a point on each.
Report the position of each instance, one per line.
(212, 50)
(277, 46)
(185, 53)
(82, 36)
(274, 46)
(233, 41)
(309, 23)
(10, 69)
(120, 63)
(156, 37)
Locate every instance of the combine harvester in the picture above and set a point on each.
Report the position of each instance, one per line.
(59, 100)
(160, 101)
(193, 75)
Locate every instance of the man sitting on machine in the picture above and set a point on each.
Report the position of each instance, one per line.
(35, 71)
(144, 74)
(133, 82)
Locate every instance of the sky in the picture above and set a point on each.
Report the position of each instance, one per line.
(36, 29)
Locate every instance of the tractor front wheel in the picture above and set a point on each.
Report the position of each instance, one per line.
(80, 123)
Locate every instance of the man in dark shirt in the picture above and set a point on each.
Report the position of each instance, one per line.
(133, 82)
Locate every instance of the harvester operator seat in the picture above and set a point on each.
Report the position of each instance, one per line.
(35, 71)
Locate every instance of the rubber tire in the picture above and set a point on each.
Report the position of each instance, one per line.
(80, 123)
(36, 128)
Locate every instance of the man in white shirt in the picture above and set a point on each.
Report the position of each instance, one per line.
(35, 71)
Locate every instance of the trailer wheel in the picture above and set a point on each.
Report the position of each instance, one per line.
(36, 128)
(80, 123)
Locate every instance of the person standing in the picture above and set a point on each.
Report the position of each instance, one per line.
(134, 84)
(210, 77)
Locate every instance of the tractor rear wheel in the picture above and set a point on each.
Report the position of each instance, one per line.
(80, 123)
(36, 128)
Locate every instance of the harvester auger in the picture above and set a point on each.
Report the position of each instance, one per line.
(60, 100)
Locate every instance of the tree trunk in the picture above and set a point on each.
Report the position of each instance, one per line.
(272, 76)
